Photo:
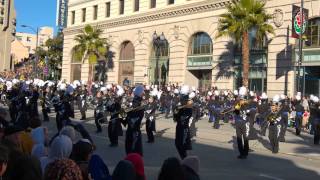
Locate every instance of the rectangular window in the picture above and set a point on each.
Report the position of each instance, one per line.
(108, 5)
(95, 12)
(73, 17)
(136, 5)
(170, 1)
(28, 39)
(121, 7)
(153, 3)
(84, 15)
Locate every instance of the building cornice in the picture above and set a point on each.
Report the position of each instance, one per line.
(188, 9)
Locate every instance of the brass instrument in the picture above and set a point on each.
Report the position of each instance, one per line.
(188, 105)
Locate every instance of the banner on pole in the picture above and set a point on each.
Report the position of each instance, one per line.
(299, 25)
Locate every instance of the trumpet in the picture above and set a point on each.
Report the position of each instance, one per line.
(123, 112)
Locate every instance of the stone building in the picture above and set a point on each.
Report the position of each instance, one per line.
(7, 33)
(190, 53)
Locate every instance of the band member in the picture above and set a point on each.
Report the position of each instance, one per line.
(183, 118)
(315, 117)
(263, 110)
(150, 118)
(98, 111)
(63, 107)
(45, 103)
(133, 141)
(299, 114)
(33, 102)
(284, 112)
(274, 119)
(82, 102)
(114, 127)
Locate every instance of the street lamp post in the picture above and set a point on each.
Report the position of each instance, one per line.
(35, 69)
(300, 49)
(158, 43)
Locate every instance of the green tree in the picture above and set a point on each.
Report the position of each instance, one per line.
(90, 46)
(240, 18)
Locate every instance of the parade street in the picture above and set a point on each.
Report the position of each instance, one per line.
(298, 157)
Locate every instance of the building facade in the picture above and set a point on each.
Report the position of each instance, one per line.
(7, 33)
(30, 40)
(189, 53)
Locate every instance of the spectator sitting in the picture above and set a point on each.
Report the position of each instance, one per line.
(137, 162)
(171, 169)
(191, 167)
(4, 158)
(63, 169)
(124, 171)
(81, 154)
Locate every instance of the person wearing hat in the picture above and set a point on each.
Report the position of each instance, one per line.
(242, 113)
(315, 118)
(150, 118)
(284, 112)
(183, 118)
(274, 118)
(114, 107)
(82, 101)
(98, 111)
(298, 107)
(263, 110)
(133, 140)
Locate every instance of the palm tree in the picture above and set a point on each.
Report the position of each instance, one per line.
(89, 46)
(240, 18)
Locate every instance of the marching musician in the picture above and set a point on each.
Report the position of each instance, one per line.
(298, 107)
(274, 119)
(150, 117)
(263, 110)
(284, 112)
(63, 107)
(99, 111)
(82, 101)
(133, 141)
(114, 127)
(45, 103)
(242, 113)
(315, 118)
(183, 118)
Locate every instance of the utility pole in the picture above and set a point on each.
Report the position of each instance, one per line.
(300, 49)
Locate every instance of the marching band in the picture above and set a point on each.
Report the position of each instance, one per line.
(127, 106)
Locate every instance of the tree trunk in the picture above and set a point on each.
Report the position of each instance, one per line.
(245, 59)
(90, 79)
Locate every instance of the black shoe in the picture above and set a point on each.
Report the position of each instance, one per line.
(242, 157)
(98, 131)
(113, 145)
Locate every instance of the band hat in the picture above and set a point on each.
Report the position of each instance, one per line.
(192, 95)
(216, 93)
(282, 97)
(176, 91)
(264, 96)
(62, 86)
(298, 97)
(109, 86)
(154, 92)
(225, 93)
(147, 87)
(138, 90)
(251, 93)
(193, 88)
(185, 90)
(15, 81)
(168, 88)
(315, 99)
(103, 89)
(242, 91)
(210, 93)
(276, 98)
(236, 92)
(120, 91)
(159, 94)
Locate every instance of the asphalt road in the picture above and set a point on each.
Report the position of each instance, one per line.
(298, 158)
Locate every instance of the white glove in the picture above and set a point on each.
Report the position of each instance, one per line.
(190, 121)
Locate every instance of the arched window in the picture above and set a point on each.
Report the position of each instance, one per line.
(126, 63)
(199, 62)
(127, 51)
(313, 32)
(75, 69)
(200, 44)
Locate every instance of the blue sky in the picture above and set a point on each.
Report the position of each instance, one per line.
(35, 13)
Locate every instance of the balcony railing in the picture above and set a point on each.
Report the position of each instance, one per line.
(196, 61)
